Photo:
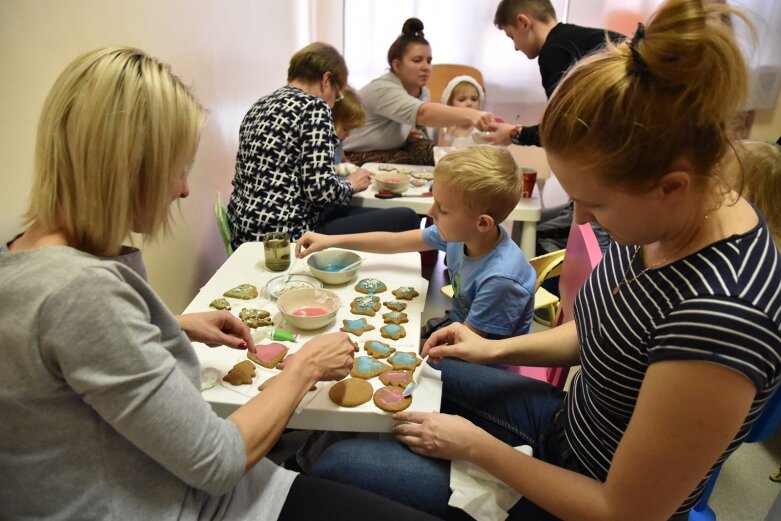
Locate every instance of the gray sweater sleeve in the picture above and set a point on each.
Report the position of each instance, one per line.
(127, 358)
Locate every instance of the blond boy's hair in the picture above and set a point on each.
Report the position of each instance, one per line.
(349, 112)
(117, 131)
(487, 177)
(756, 168)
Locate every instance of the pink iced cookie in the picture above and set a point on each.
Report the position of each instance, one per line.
(390, 399)
(268, 355)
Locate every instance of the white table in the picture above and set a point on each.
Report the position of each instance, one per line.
(316, 410)
(526, 212)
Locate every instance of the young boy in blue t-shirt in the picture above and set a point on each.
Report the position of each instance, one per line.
(474, 190)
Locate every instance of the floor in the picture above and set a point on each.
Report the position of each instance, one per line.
(743, 491)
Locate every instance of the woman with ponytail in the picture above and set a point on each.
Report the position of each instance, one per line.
(677, 331)
(400, 107)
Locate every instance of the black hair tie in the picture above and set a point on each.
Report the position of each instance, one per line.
(641, 68)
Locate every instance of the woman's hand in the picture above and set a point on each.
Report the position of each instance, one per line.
(414, 135)
(456, 341)
(483, 120)
(360, 179)
(438, 435)
(326, 357)
(499, 134)
(216, 328)
(311, 242)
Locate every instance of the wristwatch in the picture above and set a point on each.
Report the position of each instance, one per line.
(514, 132)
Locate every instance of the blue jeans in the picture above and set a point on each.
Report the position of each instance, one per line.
(513, 408)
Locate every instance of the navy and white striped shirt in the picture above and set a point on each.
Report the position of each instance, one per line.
(721, 304)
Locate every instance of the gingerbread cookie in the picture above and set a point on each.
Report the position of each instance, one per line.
(397, 378)
(264, 385)
(243, 291)
(370, 286)
(405, 293)
(404, 360)
(368, 305)
(392, 331)
(241, 373)
(396, 305)
(255, 317)
(268, 355)
(367, 367)
(351, 392)
(356, 327)
(378, 349)
(220, 303)
(389, 399)
(395, 317)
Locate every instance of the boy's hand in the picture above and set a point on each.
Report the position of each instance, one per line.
(499, 134)
(456, 341)
(311, 242)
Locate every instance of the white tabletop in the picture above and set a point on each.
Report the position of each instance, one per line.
(527, 211)
(316, 410)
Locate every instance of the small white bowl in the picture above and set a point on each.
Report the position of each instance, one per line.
(277, 286)
(395, 182)
(325, 265)
(296, 307)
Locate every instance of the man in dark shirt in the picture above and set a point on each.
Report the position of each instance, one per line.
(532, 26)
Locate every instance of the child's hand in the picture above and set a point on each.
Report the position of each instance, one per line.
(311, 242)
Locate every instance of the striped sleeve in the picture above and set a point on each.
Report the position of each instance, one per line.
(722, 330)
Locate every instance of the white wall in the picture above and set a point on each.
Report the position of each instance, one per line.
(231, 52)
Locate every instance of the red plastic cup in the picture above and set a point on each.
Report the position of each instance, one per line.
(529, 180)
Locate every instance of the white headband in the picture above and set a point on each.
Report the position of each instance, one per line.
(463, 79)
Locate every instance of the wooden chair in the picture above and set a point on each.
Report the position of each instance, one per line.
(442, 73)
(223, 225)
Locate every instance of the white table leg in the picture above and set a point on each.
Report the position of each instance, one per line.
(529, 239)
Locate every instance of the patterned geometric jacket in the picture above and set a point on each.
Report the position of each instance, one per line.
(285, 175)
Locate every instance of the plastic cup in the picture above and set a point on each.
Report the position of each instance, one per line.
(529, 180)
(276, 251)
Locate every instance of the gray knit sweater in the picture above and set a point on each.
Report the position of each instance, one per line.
(101, 415)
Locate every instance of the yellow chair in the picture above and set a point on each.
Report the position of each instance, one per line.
(442, 73)
(223, 225)
(547, 266)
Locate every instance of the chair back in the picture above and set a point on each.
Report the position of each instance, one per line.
(581, 256)
(547, 266)
(223, 225)
(442, 73)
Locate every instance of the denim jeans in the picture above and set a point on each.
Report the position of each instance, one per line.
(513, 408)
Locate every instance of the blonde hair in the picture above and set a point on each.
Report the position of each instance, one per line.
(310, 63)
(349, 112)
(487, 177)
(115, 134)
(634, 109)
(754, 167)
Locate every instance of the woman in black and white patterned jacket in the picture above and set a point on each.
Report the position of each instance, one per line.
(285, 179)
